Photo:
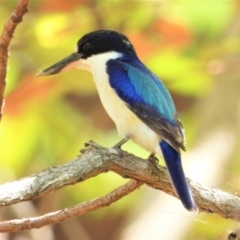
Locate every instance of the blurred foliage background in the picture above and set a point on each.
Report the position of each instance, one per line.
(192, 45)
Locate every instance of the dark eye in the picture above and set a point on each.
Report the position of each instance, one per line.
(86, 47)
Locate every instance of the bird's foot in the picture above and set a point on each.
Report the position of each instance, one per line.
(154, 160)
(120, 143)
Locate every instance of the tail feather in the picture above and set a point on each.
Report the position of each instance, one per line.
(173, 162)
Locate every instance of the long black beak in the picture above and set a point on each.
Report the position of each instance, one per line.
(61, 66)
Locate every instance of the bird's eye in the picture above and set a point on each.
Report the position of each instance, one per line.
(86, 47)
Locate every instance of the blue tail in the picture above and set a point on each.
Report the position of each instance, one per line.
(173, 162)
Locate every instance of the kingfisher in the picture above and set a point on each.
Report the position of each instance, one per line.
(135, 99)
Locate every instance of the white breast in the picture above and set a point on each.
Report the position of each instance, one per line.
(128, 124)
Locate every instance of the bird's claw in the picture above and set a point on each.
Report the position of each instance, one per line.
(120, 143)
(154, 160)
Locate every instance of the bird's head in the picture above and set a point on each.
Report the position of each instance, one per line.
(101, 44)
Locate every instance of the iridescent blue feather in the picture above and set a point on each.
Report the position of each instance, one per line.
(147, 97)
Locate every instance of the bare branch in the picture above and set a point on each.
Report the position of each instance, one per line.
(67, 213)
(234, 235)
(5, 38)
(95, 160)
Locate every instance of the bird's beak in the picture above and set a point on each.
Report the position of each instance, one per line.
(65, 64)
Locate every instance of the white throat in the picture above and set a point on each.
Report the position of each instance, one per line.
(128, 124)
(97, 62)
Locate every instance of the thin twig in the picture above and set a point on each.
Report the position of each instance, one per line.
(234, 235)
(95, 160)
(67, 213)
(5, 39)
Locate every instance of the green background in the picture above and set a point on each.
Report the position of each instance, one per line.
(194, 48)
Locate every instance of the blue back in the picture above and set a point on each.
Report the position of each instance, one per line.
(146, 96)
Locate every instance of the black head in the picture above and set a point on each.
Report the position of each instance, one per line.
(93, 43)
(102, 41)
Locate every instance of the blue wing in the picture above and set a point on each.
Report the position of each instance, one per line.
(148, 98)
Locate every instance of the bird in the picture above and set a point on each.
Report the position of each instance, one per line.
(134, 98)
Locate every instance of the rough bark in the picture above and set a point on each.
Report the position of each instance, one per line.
(95, 160)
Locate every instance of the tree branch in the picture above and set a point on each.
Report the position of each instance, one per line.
(5, 39)
(95, 160)
(67, 213)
